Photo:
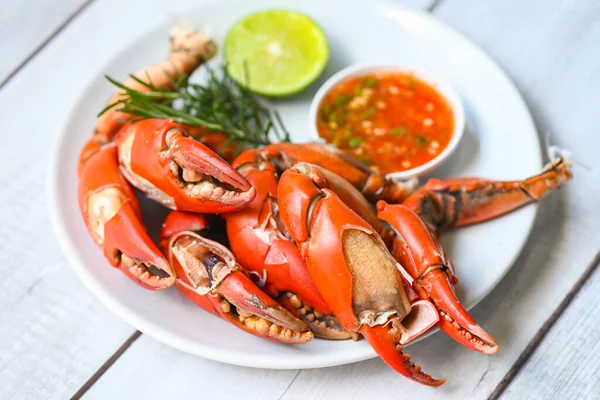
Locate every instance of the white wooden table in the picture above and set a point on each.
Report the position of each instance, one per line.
(58, 341)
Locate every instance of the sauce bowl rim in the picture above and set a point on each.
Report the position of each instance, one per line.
(434, 80)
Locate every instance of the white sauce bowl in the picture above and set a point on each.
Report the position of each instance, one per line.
(444, 89)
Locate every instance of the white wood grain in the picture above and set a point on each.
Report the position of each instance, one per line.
(25, 25)
(566, 364)
(53, 333)
(168, 373)
(558, 90)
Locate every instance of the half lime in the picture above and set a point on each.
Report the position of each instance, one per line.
(275, 52)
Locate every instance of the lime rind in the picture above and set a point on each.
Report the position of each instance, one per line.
(282, 52)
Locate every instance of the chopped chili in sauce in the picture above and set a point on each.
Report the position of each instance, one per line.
(391, 121)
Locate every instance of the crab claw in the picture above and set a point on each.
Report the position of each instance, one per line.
(421, 253)
(372, 184)
(350, 265)
(446, 204)
(387, 345)
(189, 48)
(274, 256)
(163, 161)
(113, 217)
(208, 274)
(218, 142)
(90, 149)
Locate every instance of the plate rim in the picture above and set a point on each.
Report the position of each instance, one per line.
(156, 331)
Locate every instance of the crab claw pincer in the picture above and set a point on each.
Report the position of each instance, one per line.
(274, 256)
(452, 203)
(160, 158)
(351, 267)
(421, 253)
(113, 217)
(208, 274)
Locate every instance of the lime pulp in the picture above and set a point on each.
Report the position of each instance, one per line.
(275, 52)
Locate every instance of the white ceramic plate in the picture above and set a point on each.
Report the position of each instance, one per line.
(501, 142)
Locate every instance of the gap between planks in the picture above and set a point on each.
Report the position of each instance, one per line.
(434, 4)
(107, 364)
(546, 327)
(37, 50)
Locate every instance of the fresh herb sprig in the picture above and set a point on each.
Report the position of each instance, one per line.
(219, 104)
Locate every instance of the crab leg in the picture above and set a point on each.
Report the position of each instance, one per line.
(274, 257)
(446, 204)
(208, 274)
(163, 161)
(421, 253)
(370, 183)
(112, 216)
(189, 49)
(351, 267)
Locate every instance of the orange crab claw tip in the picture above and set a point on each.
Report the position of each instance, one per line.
(490, 344)
(471, 336)
(240, 291)
(391, 353)
(148, 277)
(455, 320)
(190, 153)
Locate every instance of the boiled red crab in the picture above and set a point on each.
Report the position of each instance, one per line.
(322, 254)
(300, 221)
(420, 252)
(275, 256)
(209, 275)
(352, 268)
(161, 159)
(113, 217)
(442, 205)
(415, 243)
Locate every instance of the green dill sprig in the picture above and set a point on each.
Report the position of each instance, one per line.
(219, 104)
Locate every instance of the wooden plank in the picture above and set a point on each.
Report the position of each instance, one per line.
(26, 25)
(566, 364)
(181, 375)
(53, 333)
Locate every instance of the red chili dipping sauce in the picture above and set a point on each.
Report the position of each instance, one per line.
(391, 121)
